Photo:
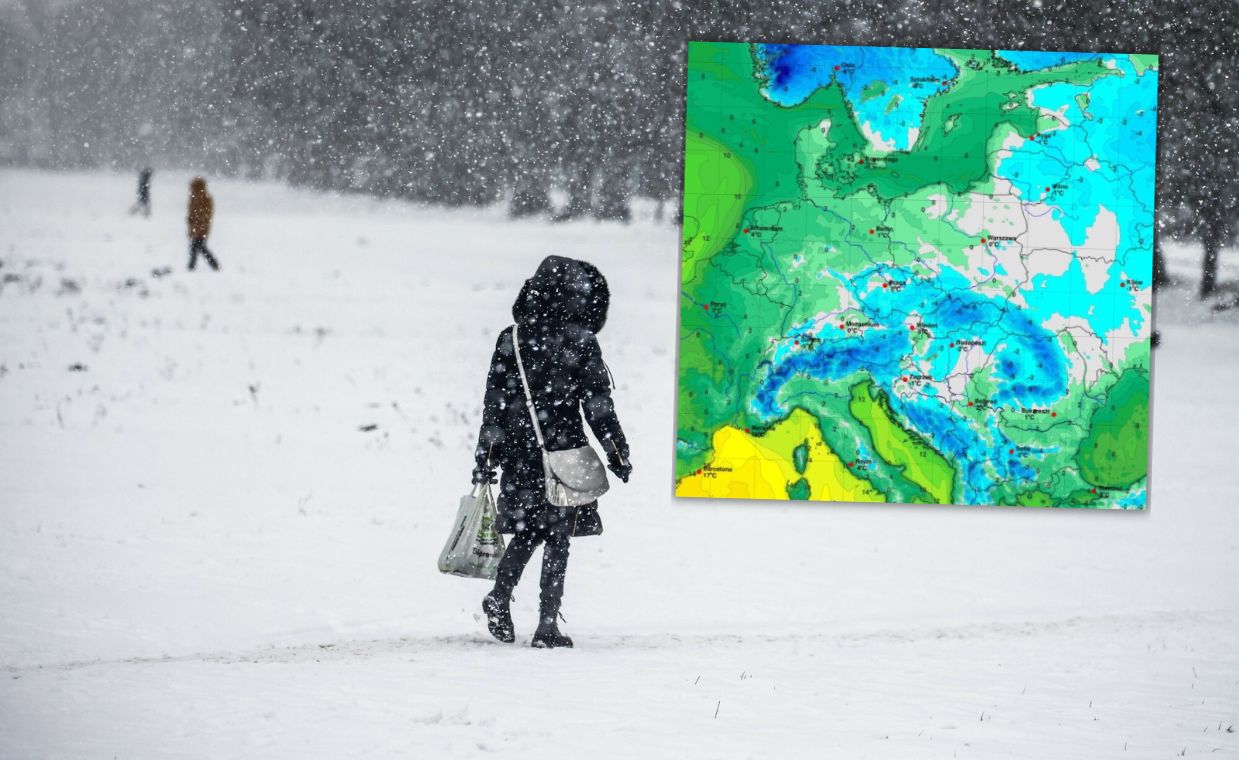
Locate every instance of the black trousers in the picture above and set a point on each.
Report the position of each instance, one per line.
(197, 246)
(520, 549)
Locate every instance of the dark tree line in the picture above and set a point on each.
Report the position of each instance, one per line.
(474, 101)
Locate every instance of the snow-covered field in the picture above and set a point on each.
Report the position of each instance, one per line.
(203, 552)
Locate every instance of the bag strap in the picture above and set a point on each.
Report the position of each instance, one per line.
(520, 367)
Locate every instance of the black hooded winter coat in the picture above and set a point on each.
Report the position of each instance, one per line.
(559, 310)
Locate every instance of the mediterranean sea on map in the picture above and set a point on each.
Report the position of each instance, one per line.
(916, 275)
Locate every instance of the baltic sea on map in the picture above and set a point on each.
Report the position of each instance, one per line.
(916, 275)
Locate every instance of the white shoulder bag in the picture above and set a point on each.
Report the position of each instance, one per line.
(573, 476)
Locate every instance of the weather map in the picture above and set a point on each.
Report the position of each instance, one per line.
(916, 275)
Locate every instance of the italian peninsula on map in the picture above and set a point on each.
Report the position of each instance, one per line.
(916, 275)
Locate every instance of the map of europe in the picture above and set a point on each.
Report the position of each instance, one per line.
(916, 275)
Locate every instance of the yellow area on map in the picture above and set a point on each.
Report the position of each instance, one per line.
(751, 467)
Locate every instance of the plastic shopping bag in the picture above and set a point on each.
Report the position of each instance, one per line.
(474, 548)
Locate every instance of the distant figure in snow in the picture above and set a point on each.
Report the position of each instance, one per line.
(144, 193)
(201, 211)
(559, 312)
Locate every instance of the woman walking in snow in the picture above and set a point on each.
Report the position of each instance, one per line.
(558, 313)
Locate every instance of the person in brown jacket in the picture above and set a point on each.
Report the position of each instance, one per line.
(201, 211)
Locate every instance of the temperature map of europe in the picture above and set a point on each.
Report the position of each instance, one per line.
(916, 275)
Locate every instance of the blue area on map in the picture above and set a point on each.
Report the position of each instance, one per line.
(1068, 295)
(1027, 363)
(795, 71)
(1032, 60)
(1117, 131)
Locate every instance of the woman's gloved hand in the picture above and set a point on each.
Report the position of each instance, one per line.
(621, 469)
(617, 459)
(484, 475)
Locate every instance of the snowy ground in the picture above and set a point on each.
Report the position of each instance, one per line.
(203, 554)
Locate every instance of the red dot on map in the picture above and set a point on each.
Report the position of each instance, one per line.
(841, 325)
(1094, 490)
(884, 285)
(861, 161)
(983, 240)
(870, 232)
(836, 68)
(969, 403)
(1047, 189)
(746, 430)
(797, 343)
(851, 464)
(905, 378)
(1053, 414)
(746, 230)
(1011, 451)
(705, 306)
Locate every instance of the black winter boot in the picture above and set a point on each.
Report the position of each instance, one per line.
(548, 637)
(499, 618)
